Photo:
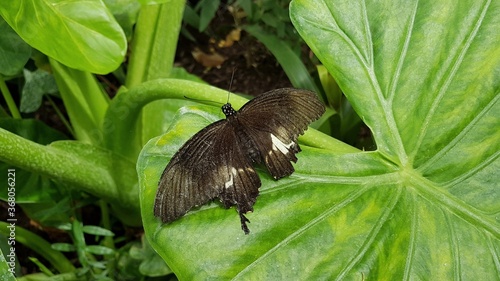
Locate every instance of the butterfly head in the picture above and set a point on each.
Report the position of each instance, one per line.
(228, 110)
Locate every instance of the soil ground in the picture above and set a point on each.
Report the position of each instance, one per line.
(255, 69)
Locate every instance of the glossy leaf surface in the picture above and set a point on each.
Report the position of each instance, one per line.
(80, 34)
(425, 77)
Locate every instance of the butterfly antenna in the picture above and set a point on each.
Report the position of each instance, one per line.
(230, 84)
(203, 101)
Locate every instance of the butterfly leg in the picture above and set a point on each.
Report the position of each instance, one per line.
(244, 221)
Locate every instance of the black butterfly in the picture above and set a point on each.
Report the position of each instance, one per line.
(218, 161)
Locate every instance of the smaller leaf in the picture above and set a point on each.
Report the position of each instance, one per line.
(77, 235)
(64, 226)
(99, 250)
(151, 264)
(100, 265)
(288, 59)
(97, 230)
(191, 17)
(63, 247)
(41, 266)
(208, 10)
(38, 83)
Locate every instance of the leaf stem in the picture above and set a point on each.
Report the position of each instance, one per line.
(61, 116)
(8, 99)
(81, 166)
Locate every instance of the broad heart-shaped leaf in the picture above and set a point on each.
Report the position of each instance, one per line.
(424, 76)
(80, 34)
(209, 242)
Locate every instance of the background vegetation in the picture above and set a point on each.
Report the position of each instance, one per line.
(399, 181)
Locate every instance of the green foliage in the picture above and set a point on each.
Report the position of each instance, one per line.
(150, 263)
(62, 31)
(16, 51)
(5, 268)
(38, 83)
(422, 206)
(201, 14)
(207, 12)
(288, 59)
(86, 253)
(345, 124)
(56, 176)
(38, 244)
(272, 16)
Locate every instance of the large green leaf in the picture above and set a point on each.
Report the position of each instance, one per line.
(14, 52)
(80, 34)
(425, 77)
(212, 223)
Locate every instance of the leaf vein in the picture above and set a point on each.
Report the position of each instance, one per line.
(446, 82)
(494, 254)
(446, 149)
(455, 245)
(303, 229)
(412, 241)
(371, 237)
(459, 208)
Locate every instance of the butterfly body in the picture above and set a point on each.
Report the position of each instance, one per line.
(219, 160)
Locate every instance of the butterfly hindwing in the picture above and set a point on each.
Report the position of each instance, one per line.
(211, 164)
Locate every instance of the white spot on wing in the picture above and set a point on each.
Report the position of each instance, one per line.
(230, 182)
(279, 145)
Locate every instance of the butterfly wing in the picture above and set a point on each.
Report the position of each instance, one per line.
(217, 161)
(211, 164)
(283, 115)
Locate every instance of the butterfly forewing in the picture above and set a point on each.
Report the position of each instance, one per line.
(209, 165)
(218, 161)
(284, 114)
(181, 187)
